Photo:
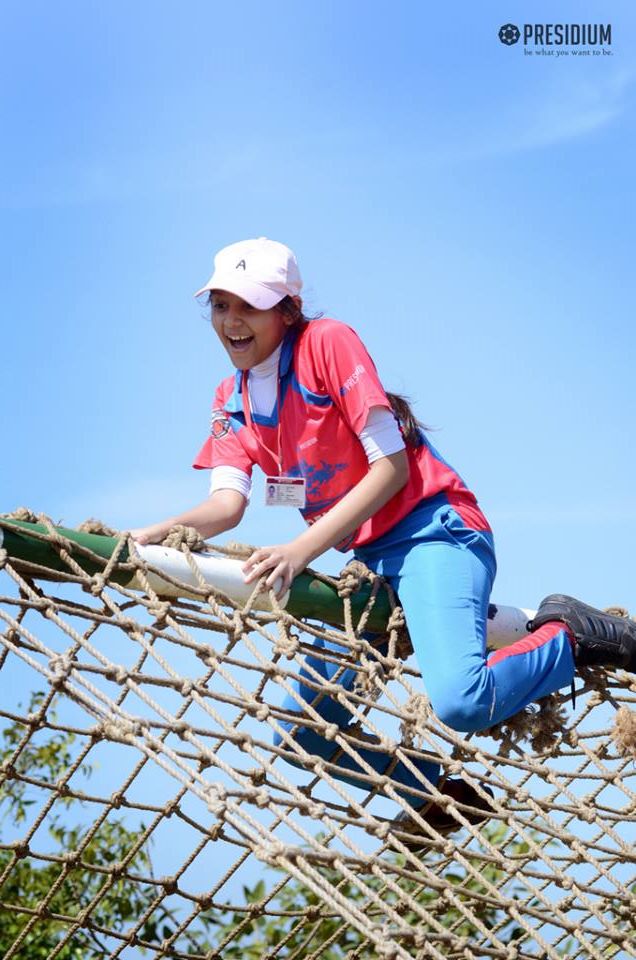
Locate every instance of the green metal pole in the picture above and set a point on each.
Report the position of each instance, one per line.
(309, 597)
(21, 546)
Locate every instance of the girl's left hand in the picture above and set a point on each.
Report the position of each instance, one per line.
(285, 561)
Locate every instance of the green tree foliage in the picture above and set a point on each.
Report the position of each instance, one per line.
(29, 882)
(294, 922)
(294, 915)
(303, 925)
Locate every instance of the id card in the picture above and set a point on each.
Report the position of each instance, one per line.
(285, 492)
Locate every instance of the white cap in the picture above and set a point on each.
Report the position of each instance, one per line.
(261, 272)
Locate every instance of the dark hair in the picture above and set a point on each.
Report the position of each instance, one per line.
(411, 426)
(292, 311)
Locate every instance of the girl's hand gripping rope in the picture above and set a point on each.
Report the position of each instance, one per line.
(285, 560)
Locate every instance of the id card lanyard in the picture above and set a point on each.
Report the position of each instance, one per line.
(280, 491)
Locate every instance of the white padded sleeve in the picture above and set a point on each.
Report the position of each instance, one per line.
(381, 435)
(230, 478)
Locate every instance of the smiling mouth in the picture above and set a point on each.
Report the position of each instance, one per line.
(240, 343)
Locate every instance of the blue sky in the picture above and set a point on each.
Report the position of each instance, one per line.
(468, 208)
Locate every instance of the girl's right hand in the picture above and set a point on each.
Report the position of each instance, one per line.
(155, 533)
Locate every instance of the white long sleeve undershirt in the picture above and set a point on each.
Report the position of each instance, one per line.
(380, 437)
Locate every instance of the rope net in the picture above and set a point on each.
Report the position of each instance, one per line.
(155, 799)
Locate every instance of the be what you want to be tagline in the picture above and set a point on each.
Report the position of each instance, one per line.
(559, 39)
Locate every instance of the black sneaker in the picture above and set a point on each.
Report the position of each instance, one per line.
(601, 639)
(442, 821)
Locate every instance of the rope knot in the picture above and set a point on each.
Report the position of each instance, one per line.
(60, 667)
(35, 721)
(270, 852)
(98, 582)
(543, 726)
(382, 830)
(369, 680)
(23, 514)
(397, 620)
(91, 525)
(416, 711)
(257, 776)
(239, 550)
(352, 577)
(287, 643)
(618, 612)
(159, 610)
(181, 537)
(21, 850)
(216, 797)
(117, 673)
(624, 732)
(169, 884)
(122, 730)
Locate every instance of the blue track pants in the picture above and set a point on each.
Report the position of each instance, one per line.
(443, 573)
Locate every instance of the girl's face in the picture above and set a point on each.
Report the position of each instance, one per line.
(249, 335)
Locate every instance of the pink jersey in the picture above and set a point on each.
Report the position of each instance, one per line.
(327, 384)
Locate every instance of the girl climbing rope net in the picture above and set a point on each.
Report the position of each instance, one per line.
(306, 405)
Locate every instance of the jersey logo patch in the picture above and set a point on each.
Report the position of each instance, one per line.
(219, 424)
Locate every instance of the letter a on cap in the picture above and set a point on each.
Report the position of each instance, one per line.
(241, 263)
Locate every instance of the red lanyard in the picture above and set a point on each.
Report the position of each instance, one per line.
(276, 457)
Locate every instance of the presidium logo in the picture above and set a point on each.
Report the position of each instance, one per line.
(572, 35)
(509, 34)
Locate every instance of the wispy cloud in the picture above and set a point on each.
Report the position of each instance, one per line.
(563, 102)
(569, 108)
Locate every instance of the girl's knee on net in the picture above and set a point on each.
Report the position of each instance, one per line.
(462, 710)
